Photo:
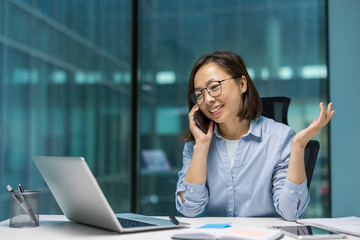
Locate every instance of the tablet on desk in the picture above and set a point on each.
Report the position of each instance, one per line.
(309, 232)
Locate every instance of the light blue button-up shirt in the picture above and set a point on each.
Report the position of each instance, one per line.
(255, 186)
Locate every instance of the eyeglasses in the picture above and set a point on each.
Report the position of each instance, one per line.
(213, 89)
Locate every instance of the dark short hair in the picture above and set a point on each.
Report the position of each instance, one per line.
(232, 64)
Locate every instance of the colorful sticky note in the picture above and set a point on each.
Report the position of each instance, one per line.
(216, 225)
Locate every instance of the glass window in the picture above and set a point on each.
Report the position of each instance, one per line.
(27, 2)
(122, 28)
(4, 206)
(19, 25)
(1, 91)
(79, 22)
(64, 13)
(45, 7)
(1, 17)
(63, 96)
(45, 138)
(281, 59)
(65, 85)
(43, 39)
(92, 18)
(16, 114)
(64, 47)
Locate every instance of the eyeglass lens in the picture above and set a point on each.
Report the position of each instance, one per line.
(213, 89)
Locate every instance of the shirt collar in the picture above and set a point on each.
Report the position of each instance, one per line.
(255, 129)
(216, 131)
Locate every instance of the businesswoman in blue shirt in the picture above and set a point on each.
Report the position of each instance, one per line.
(243, 164)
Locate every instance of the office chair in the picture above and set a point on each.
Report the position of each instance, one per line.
(311, 152)
(277, 108)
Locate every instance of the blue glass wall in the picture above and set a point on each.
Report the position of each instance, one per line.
(65, 85)
(283, 44)
(64, 91)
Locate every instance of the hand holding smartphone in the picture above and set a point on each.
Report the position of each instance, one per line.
(198, 123)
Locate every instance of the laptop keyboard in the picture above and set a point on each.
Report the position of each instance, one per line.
(127, 223)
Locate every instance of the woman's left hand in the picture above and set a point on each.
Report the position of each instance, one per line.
(305, 135)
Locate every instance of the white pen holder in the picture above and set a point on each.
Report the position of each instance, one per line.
(24, 209)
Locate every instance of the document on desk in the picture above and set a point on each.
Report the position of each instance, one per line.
(249, 233)
(348, 225)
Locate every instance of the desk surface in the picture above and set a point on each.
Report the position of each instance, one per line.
(58, 227)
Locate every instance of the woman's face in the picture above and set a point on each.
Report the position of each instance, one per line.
(227, 105)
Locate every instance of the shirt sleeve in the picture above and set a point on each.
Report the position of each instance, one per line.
(195, 195)
(290, 200)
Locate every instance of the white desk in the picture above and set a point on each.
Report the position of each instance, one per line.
(58, 227)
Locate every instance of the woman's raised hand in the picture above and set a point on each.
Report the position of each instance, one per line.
(305, 135)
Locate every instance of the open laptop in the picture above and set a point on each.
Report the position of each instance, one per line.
(81, 199)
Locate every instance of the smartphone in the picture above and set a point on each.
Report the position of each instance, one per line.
(309, 232)
(198, 123)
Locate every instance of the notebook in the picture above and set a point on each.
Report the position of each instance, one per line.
(80, 198)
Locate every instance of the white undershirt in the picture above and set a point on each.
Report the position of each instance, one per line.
(231, 146)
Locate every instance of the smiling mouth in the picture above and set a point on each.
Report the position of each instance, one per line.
(215, 109)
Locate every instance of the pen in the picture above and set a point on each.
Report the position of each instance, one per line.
(20, 201)
(32, 214)
(174, 220)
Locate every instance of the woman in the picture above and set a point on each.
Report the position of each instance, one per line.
(241, 164)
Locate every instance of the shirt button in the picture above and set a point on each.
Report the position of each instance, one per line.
(230, 187)
(291, 191)
(191, 190)
(300, 192)
(230, 209)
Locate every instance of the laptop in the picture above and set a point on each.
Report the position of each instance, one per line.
(81, 199)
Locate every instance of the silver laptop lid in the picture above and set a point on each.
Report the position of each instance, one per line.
(77, 191)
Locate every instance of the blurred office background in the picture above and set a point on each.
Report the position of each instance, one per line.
(66, 86)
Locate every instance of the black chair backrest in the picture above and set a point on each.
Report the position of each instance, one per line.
(311, 152)
(277, 108)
